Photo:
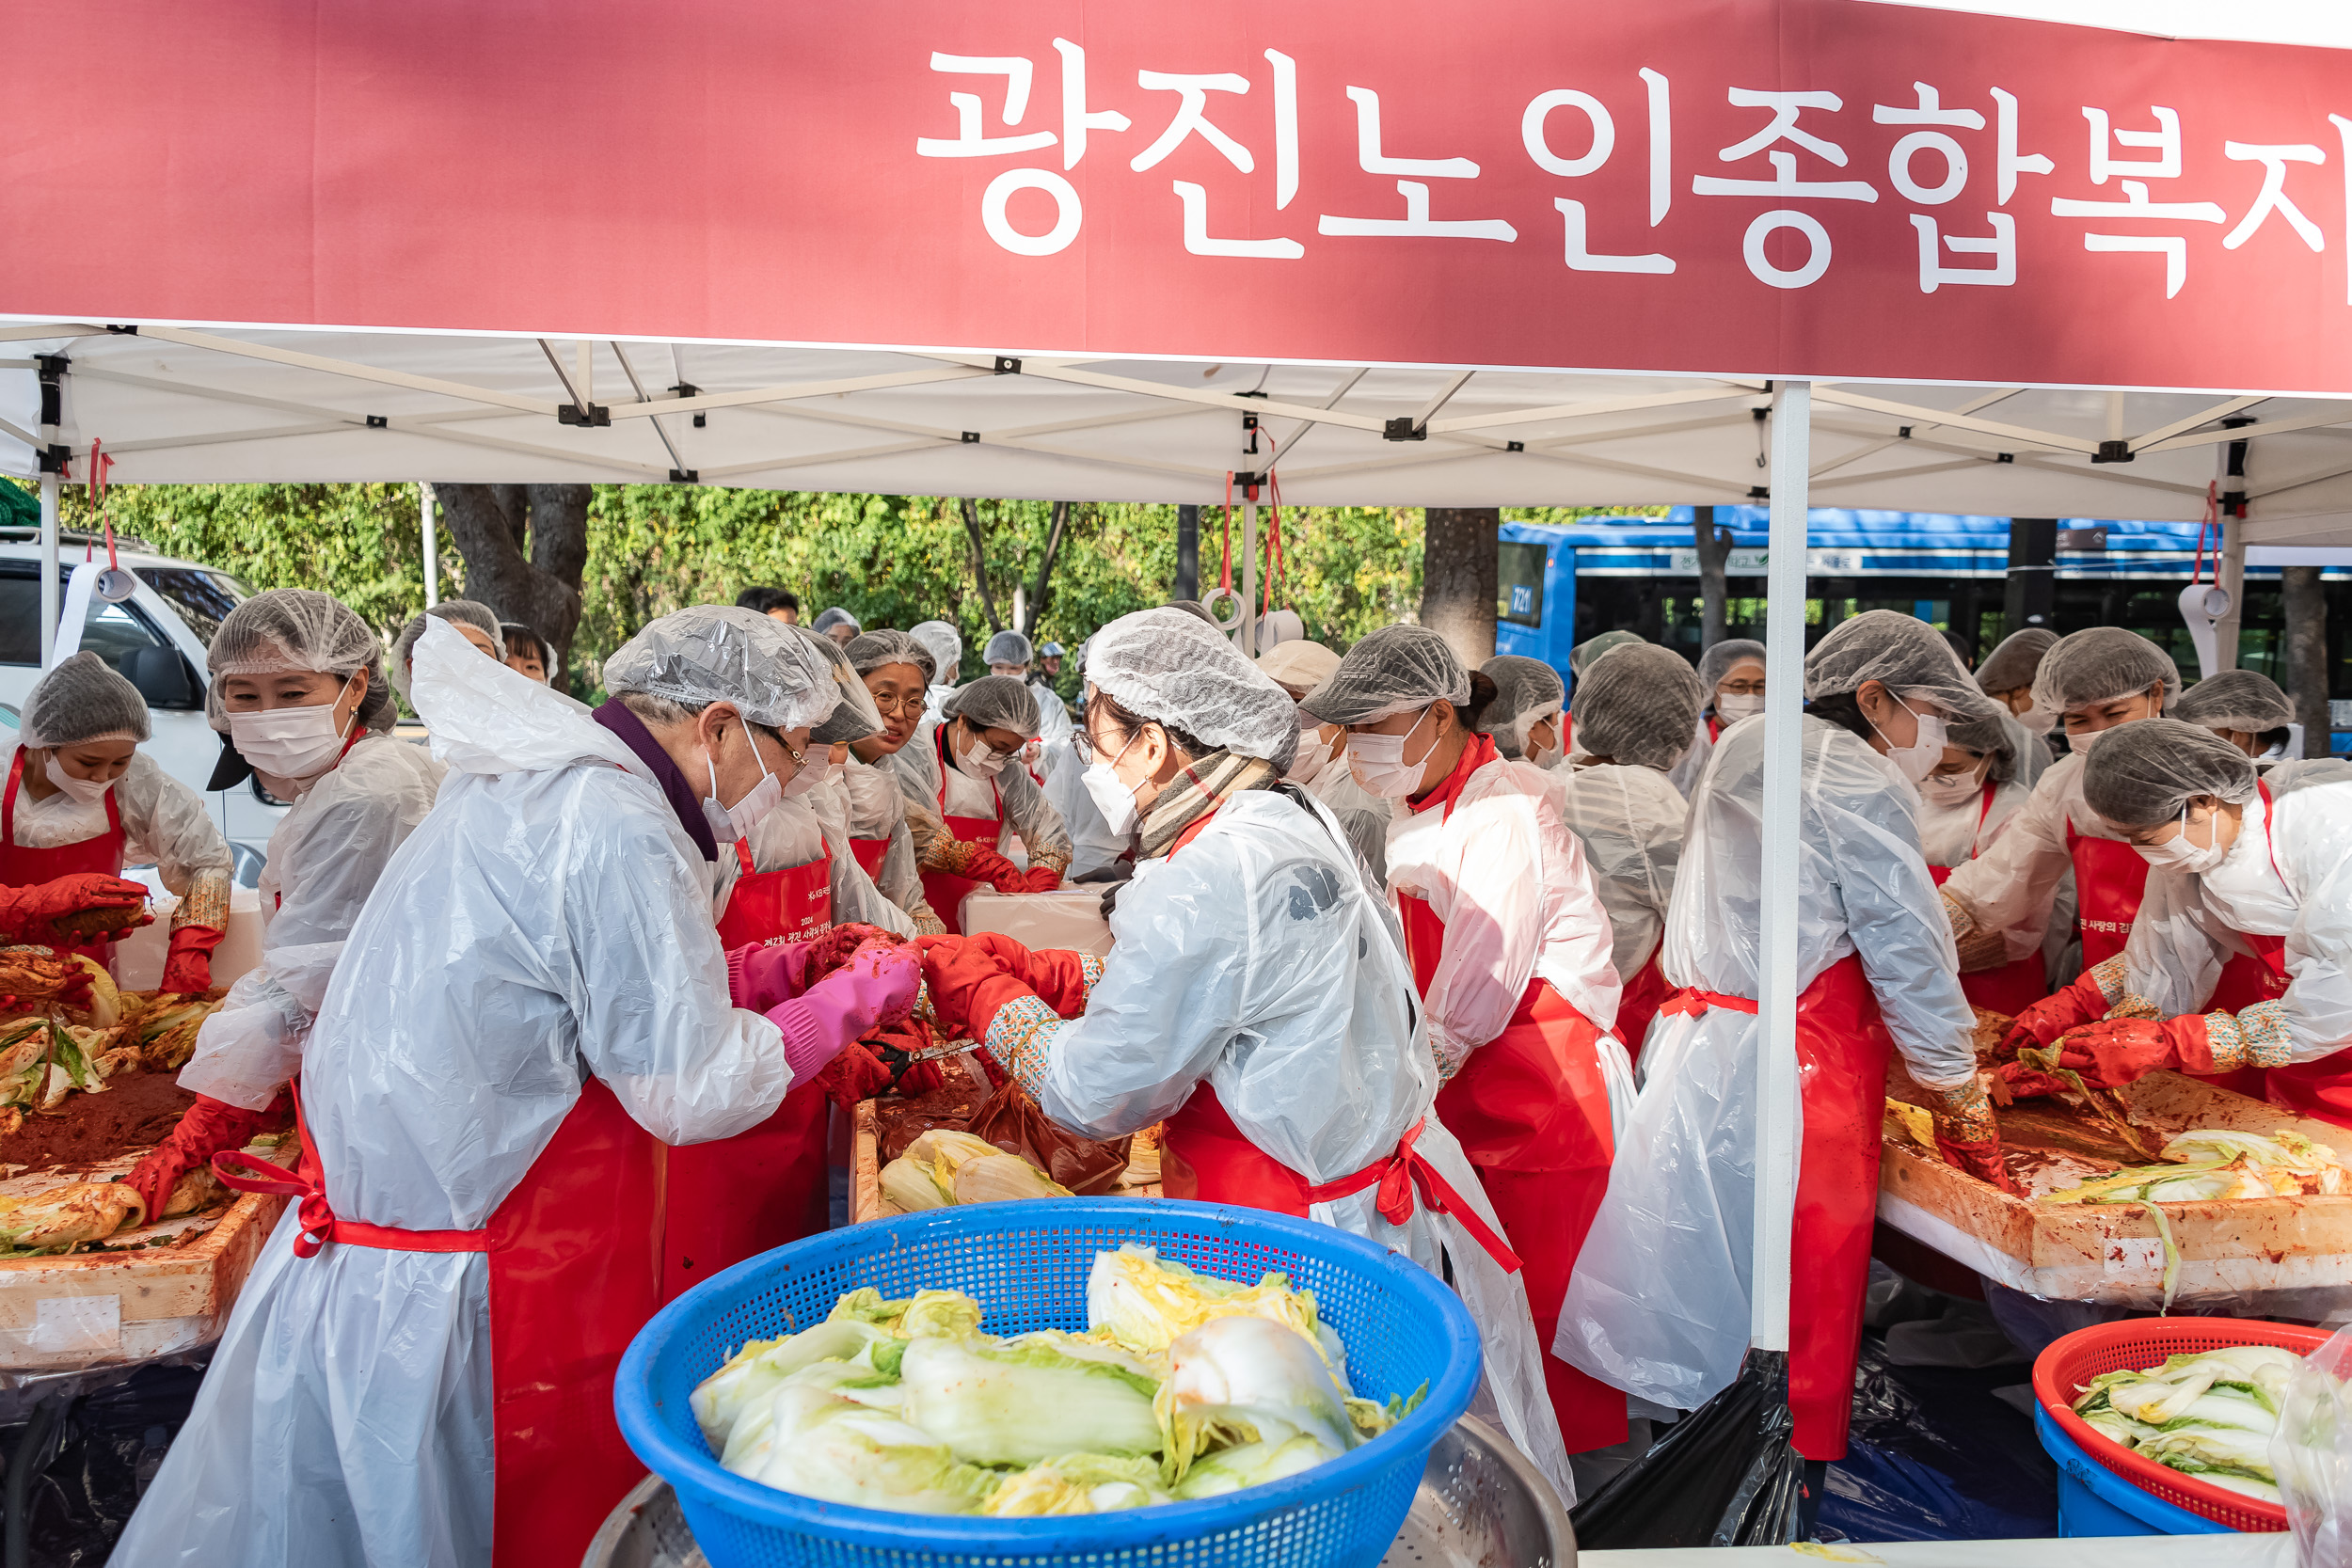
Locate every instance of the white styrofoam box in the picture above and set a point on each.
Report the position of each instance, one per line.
(139, 957)
(1070, 918)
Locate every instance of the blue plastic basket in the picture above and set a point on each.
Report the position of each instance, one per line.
(2094, 1500)
(1027, 1263)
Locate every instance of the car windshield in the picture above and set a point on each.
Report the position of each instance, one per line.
(202, 598)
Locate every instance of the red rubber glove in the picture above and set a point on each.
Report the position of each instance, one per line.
(188, 961)
(1055, 975)
(1040, 879)
(2124, 1050)
(968, 981)
(853, 1075)
(2057, 1014)
(206, 1128)
(1979, 1157)
(30, 913)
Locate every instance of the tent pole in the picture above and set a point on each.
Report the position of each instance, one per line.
(1780, 1117)
(1249, 573)
(48, 570)
(432, 536)
(2229, 565)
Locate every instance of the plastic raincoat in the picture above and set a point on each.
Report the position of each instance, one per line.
(541, 946)
(878, 834)
(1629, 820)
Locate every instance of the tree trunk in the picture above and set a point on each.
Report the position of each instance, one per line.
(1461, 556)
(1714, 554)
(525, 548)
(980, 564)
(2306, 660)
(1187, 583)
(1041, 591)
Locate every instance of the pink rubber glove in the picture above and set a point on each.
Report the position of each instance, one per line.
(877, 986)
(761, 976)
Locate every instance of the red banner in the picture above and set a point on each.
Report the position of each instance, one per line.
(1797, 187)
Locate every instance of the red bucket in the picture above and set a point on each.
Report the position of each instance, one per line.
(2061, 1372)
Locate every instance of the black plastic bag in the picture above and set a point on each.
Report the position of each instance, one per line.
(1729, 1474)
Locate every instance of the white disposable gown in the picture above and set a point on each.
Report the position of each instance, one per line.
(808, 826)
(1629, 820)
(1027, 813)
(1364, 816)
(549, 921)
(325, 858)
(1658, 1306)
(1955, 835)
(1297, 1007)
(1684, 775)
(2018, 885)
(165, 824)
(877, 809)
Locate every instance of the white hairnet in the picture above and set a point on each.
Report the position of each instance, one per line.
(480, 616)
(1902, 653)
(720, 654)
(1716, 662)
(1640, 706)
(2016, 754)
(2142, 774)
(869, 650)
(2011, 666)
(1006, 647)
(996, 702)
(82, 700)
(2100, 664)
(301, 629)
(854, 717)
(1299, 663)
(2234, 700)
(1171, 667)
(1394, 669)
(1527, 691)
(1580, 656)
(837, 616)
(947, 646)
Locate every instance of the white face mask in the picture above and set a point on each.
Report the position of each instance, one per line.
(1952, 789)
(1379, 762)
(288, 742)
(729, 823)
(1922, 756)
(1543, 755)
(1732, 706)
(2038, 720)
(983, 761)
(813, 775)
(1112, 795)
(2182, 853)
(87, 792)
(1313, 752)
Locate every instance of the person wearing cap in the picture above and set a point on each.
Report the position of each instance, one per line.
(1635, 712)
(81, 802)
(1007, 654)
(1510, 951)
(477, 624)
(895, 671)
(1255, 1000)
(1049, 657)
(2243, 866)
(1731, 673)
(528, 652)
(837, 624)
(1660, 1305)
(946, 645)
(966, 802)
(2002, 903)
(1524, 719)
(1985, 777)
(2008, 672)
(1320, 767)
(419, 1368)
(2245, 709)
(298, 691)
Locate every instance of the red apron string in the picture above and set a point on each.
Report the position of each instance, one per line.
(1398, 1175)
(1693, 1002)
(320, 1224)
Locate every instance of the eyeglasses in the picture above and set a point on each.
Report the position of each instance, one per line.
(911, 703)
(1094, 749)
(1742, 689)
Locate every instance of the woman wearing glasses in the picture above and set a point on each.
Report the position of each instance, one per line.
(966, 800)
(1732, 673)
(897, 672)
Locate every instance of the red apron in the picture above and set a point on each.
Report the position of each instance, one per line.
(944, 890)
(21, 867)
(1532, 1111)
(1842, 1053)
(738, 1197)
(2110, 878)
(869, 853)
(1637, 1004)
(2018, 984)
(575, 1271)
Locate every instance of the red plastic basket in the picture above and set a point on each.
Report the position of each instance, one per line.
(2060, 1372)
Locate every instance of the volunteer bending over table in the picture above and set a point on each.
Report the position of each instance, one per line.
(1509, 946)
(81, 802)
(1256, 999)
(1660, 1304)
(420, 1369)
(2245, 709)
(2243, 868)
(955, 776)
(1635, 712)
(1988, 771)
(1009, 654)
(298, 685)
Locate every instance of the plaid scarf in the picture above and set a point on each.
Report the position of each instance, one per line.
(1208, 784)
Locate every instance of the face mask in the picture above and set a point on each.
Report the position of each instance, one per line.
(813, 774)
(1541, 756)
(87, 792)
(1920, 758)
(1733, 707)
(1111, 795)
(2181, 853)
(1952, 789)
(729, 823)
(288, 742)
(2038, 720)
(1379, 762)
(983, 760)
(1313, 754)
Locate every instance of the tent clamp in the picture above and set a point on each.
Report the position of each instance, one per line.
(1759, 492)
(1403, 430)
(1007, 365)
(378, 422)
(1515, 446)
(686, 476)
(688, 390)
(51, 369)
(123, 331)
(1902, 433)
(971, 437)
(2004, 457)
(54, 458)
(572, 413)
(2113, 452)
(1248, 484)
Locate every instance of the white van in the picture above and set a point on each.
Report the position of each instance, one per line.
(157, 639)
